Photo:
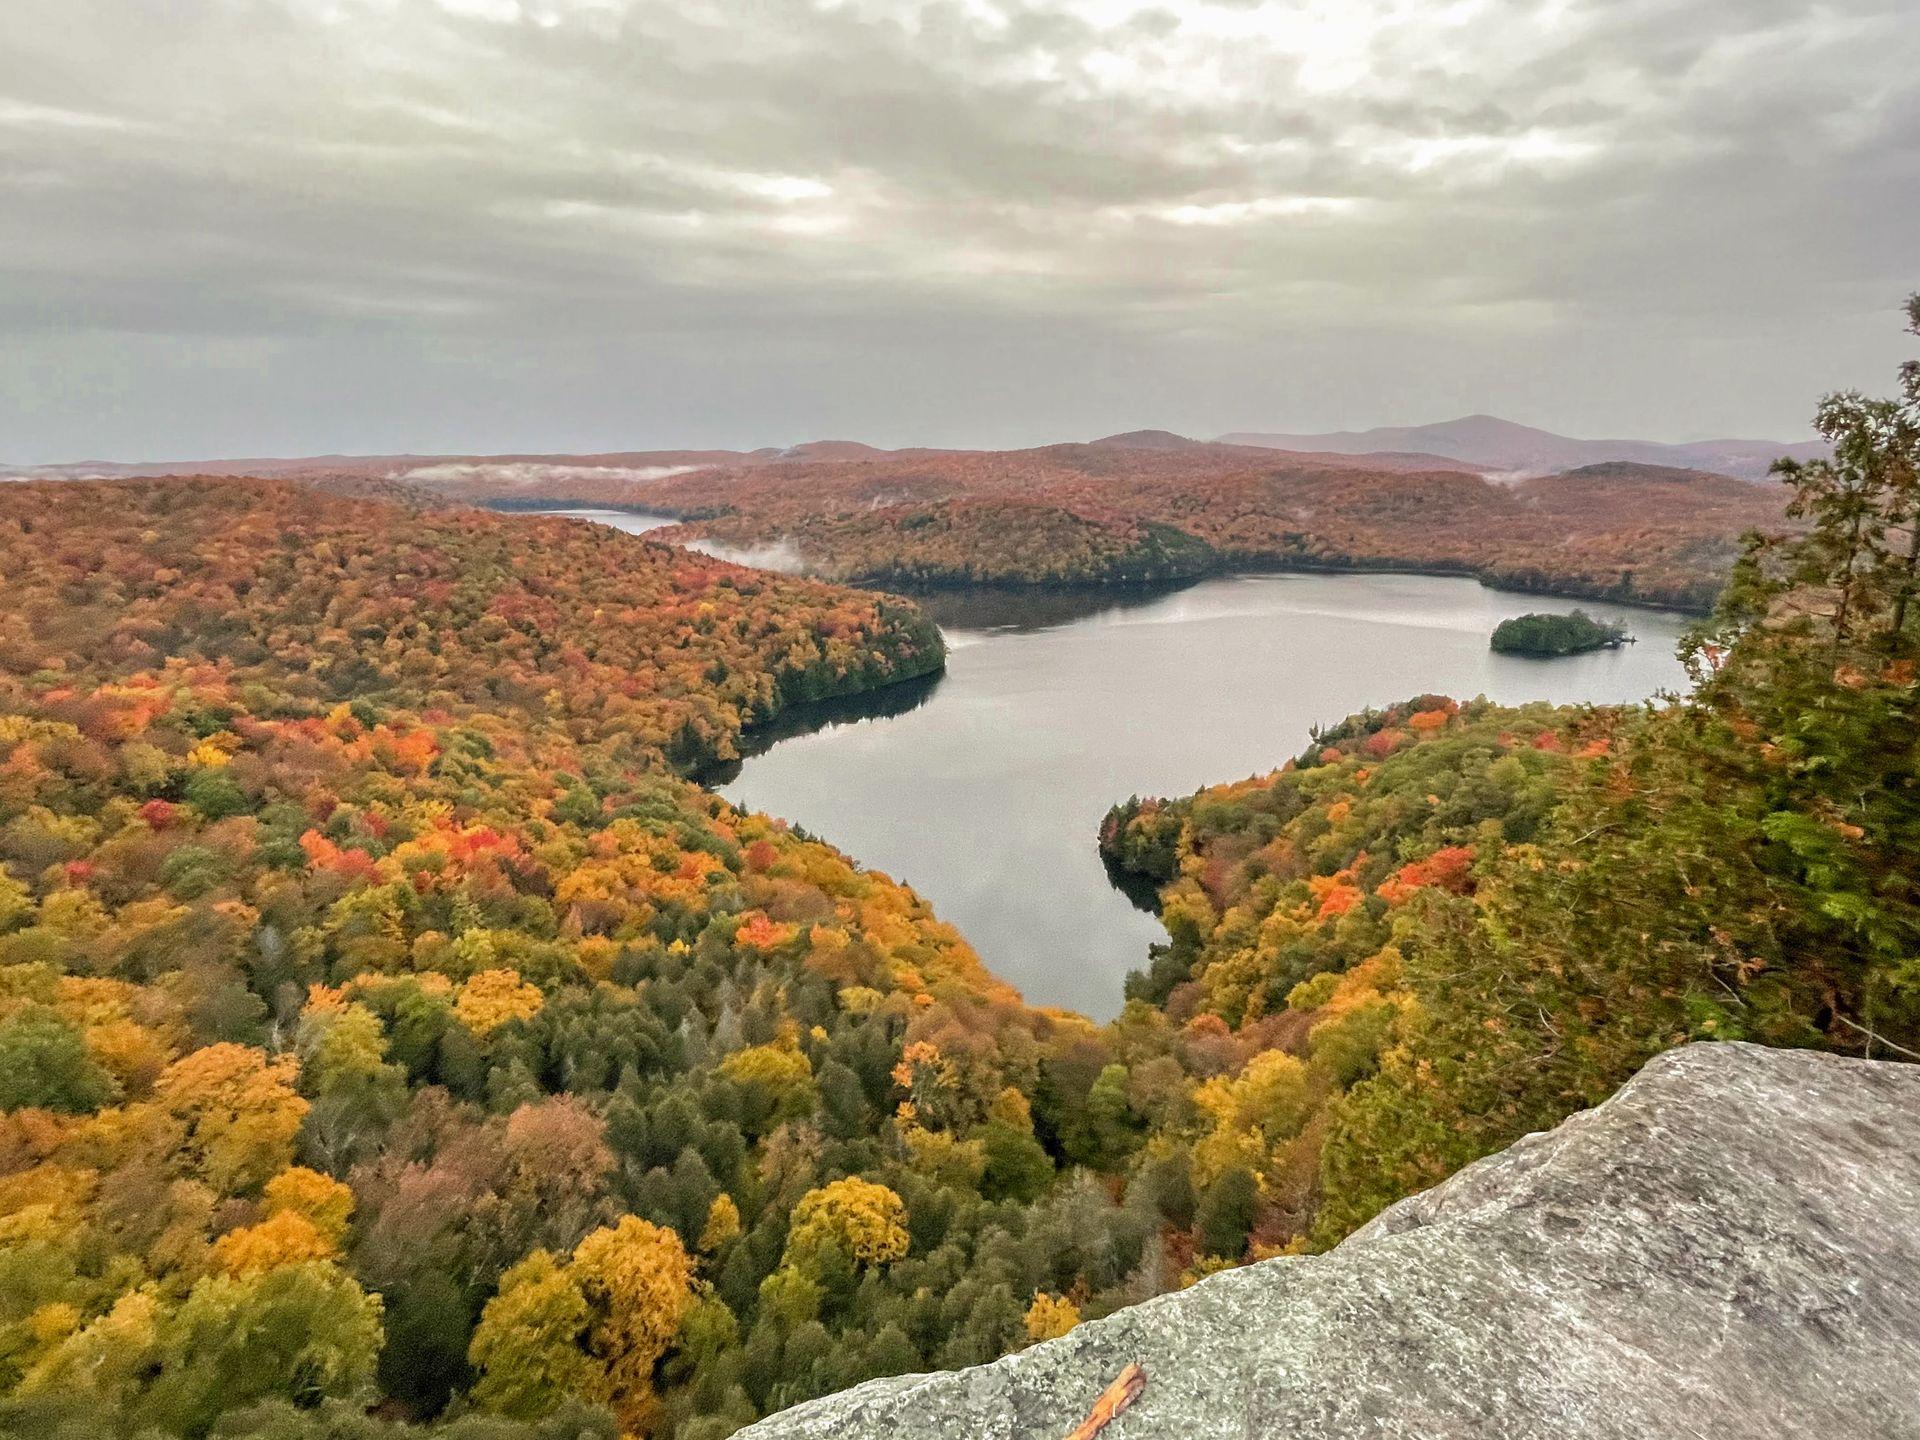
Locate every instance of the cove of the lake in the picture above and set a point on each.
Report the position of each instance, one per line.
(984, 787)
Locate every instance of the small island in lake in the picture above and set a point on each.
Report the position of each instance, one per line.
(1573, 634)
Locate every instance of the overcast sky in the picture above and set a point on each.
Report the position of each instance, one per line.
(238, 227)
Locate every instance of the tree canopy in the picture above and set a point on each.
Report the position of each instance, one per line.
(1570, 634)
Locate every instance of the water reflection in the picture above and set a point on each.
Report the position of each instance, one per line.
(985, 789)
(900, 698)
(1141, 893)
(1020, 611)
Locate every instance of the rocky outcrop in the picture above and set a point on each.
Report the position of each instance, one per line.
(1728, 1247)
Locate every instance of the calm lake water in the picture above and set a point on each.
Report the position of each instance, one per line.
(984, 787)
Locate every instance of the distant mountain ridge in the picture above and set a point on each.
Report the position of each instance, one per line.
(1490, 443)
(1478, 443)
(1167, 442)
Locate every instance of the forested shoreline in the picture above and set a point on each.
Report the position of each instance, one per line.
(1114, 513)
(1464, 922)
(1694, 598)
(392, 1036)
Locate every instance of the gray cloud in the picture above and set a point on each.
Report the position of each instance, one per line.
(470, 225)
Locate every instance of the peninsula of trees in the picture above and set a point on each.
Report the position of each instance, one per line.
(1133, 509)
(1461, 923)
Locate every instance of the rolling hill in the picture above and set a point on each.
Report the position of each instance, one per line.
(1495, 444)
(1146, 505)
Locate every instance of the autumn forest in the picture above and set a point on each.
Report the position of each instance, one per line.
(396, 1039)
(1147, 507)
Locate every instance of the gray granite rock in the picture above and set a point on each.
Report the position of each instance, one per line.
(1728, 1247)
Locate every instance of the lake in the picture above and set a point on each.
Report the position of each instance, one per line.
(984, 787)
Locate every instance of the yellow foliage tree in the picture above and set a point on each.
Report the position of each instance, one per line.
(104, 1360)
(493, 997)
(781, 1068)
(131, 1053)
(1250, 1115)
(317, 1198)
(723, 1223)
(239, 1109)
(942, 1157)
(16, 902)
(1012, 1109)
(638, 1282)
(865, 1219)
(527, 1345)
(283, 1238)
(1051, 1316)
(303, 1332)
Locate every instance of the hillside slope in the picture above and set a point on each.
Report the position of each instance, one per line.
(1623, 533)
(1496, 444)
(1106, 512)
(371, 983)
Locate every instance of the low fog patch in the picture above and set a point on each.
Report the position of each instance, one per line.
(530, 473)
(781, 555)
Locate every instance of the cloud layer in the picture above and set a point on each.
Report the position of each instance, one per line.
(471, 225)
